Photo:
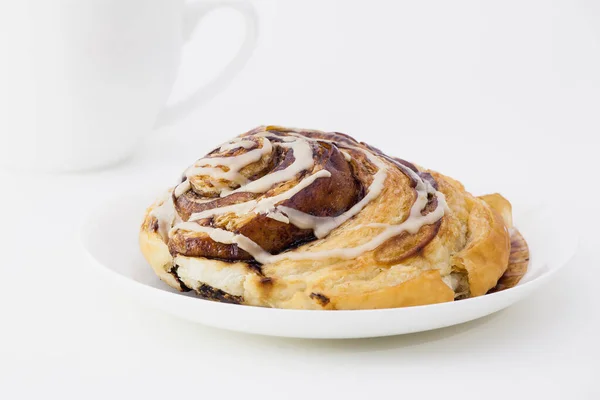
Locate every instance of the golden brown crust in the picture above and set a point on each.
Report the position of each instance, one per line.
(427, 288)
(485, 258)
(502, 206)
(464, 254)
(517, 263)
(156, 251)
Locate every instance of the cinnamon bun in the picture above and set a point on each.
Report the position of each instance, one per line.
(304, 219)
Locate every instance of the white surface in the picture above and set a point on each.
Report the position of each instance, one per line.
(505, 92)
(110, 238)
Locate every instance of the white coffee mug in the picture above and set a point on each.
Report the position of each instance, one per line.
(83, 81)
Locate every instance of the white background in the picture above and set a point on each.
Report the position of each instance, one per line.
(501, 95)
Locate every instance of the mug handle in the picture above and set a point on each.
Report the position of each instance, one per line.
(192, 17)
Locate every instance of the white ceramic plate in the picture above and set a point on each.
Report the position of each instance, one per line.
(110, 240)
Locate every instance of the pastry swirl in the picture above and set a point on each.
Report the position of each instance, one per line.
(292, 218)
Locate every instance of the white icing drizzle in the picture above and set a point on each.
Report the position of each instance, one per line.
(321, 226)
(219, 173)
(264, 205)
(165, 214)
(222, 236)
(236, 162)
(234, 144)
(182, 188)
(215, 167)
(234, 165)
(278, 216)
(412, 225)
(303, 161)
